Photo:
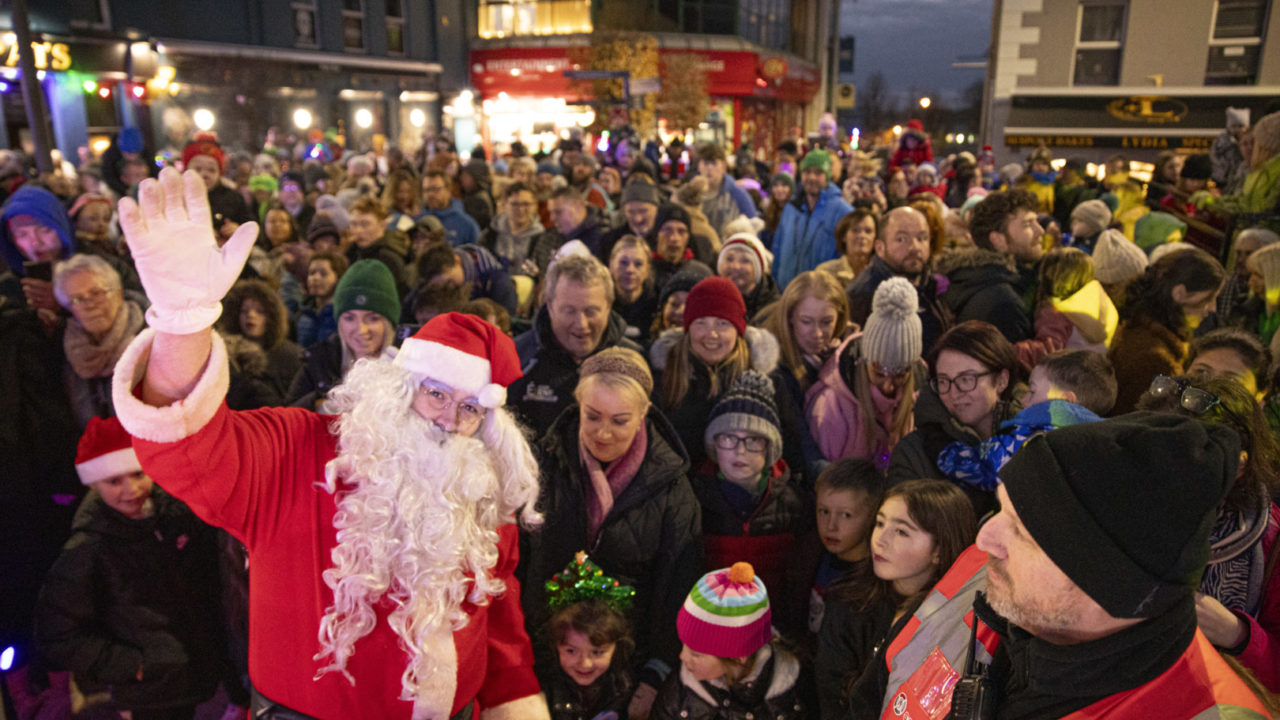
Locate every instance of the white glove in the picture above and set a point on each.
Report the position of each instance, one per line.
(182, 268)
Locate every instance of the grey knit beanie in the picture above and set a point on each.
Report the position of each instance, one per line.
(1094, 214)
(1116, 259)
(747, 406)
(892, 335)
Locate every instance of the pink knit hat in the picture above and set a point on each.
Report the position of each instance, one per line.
(726, 614)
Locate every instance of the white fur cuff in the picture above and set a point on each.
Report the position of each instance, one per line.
(184, 417)
(530, 707)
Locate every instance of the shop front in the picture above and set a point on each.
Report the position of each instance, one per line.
(1141, 124)
(753, 96)
(92, 87)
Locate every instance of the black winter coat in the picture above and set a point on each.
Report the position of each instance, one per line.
(321, 372)
(986, 285)
(569, 701)
(129, 594)
(651, 538)
(935, 317)
(846, 644)
(772, 694)
(765, 292)
(916, 455)
(550, 372)
(38, 436)
(384, 252)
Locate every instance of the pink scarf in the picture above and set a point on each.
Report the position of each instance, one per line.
(608, 483)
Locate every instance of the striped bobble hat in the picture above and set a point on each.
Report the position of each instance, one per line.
(726, 614)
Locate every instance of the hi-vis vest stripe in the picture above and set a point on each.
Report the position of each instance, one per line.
(948, 608)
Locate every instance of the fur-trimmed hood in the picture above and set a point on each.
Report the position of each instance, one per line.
(786, 671)
(763, 346)
(954, 260)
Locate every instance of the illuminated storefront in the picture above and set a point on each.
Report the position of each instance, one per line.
(755, 95)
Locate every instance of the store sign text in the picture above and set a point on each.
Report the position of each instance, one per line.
(48, 56)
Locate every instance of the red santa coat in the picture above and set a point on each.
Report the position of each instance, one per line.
(258, 475)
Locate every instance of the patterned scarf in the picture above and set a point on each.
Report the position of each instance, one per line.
(605, 484)
(1236, 564)
(91, 359)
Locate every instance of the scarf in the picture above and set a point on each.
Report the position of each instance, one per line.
(605, 484)
(91, 359)
(1236, 564)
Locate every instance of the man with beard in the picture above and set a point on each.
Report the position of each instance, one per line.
(383, 539)
(901, 250)
(806, 234)
(1091, 575)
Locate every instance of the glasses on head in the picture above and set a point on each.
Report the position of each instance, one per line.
(1195, 400)
(93, 297)
(753, 443)
(469, 412)
(964, 382)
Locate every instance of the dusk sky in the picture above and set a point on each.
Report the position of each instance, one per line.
(914, 42)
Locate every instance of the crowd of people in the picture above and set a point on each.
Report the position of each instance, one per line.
(718, 432)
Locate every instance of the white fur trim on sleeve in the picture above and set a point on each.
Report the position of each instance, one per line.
(184, 417)
(530, 707)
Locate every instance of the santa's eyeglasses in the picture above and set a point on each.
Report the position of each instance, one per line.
(438, 399)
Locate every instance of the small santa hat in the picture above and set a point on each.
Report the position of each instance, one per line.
(105, 451)
(761, 258)
(465, 353)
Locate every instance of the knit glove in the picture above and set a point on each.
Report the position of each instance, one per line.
(183, 271)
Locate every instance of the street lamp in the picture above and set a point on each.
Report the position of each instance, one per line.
(302, 118)
(364, 118)
(417, 118)
(925, 102)
(203, 118)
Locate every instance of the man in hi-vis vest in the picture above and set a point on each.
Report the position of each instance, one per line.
(1093, 563)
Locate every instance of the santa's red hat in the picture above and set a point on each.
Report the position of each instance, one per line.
(105, 451)
(465, 353)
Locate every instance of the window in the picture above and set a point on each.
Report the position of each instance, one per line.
(395, 27)
(95, 14)
(353, 25)
(502, 18)
(304, 23)
(1099, 44)
(1235, 42)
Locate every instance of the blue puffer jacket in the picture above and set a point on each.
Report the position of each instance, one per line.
(804, 238)
(459, 228)
(44, 207)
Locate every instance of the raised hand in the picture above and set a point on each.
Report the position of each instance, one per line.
(170, 235)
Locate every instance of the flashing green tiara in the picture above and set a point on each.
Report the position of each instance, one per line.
(583, 580)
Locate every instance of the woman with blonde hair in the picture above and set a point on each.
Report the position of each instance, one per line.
(809, 322)
(614, 482)
(700, 361)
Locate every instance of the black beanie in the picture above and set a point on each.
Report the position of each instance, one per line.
(1197, 167)
(668, 212)
(1124, 507)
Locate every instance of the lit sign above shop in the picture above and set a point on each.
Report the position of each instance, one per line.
(48, 55)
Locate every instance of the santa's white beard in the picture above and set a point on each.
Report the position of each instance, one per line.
(417, 518)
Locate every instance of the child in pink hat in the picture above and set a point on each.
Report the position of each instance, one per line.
(731, 666)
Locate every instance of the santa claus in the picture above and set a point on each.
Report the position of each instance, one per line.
(382, 539)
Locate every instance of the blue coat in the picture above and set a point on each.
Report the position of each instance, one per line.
(459, 228)
(804, 239)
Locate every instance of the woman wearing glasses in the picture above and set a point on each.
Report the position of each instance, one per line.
(1238, 606)
(614, 484)
(103, 322)
(1162, 309)
(975, 384)
(862, 403)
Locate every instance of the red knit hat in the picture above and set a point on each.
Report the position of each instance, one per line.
(718, 297)
(204, 144)
(105, 451)
(465, 353)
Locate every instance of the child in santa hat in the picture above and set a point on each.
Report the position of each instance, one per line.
(132, 601)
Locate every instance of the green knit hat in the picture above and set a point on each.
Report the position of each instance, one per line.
(820, 159)
(263, 182)
(368, 285)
